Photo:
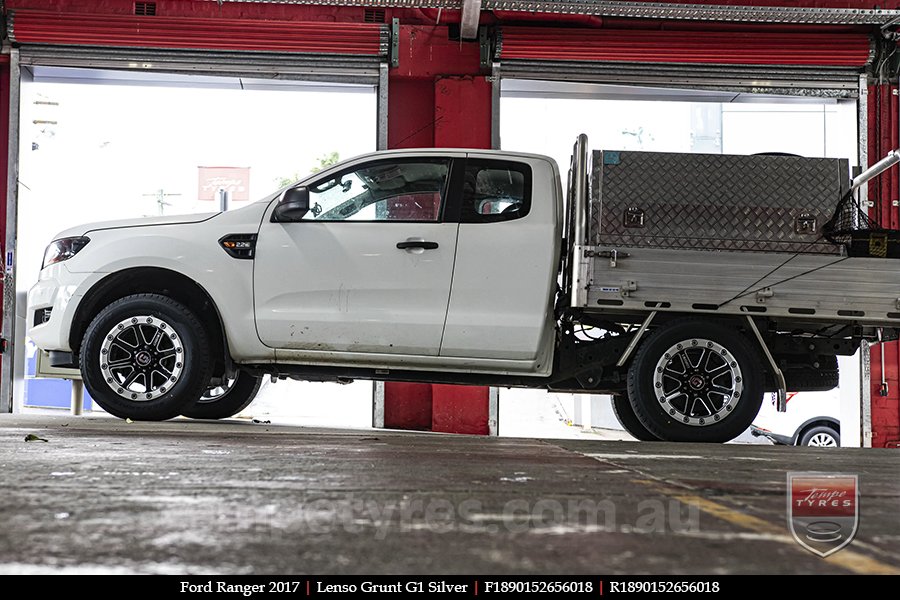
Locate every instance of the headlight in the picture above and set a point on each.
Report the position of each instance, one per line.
(63, 249)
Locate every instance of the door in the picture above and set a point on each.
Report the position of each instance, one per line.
(367, 269)
(504, 282)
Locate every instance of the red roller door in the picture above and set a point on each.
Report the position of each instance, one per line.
(78, 29)
(802, 64)
(685, 47)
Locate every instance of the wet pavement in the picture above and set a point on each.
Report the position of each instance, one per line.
(105, 496)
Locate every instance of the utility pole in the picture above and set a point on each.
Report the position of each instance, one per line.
(224, 197)
(161, 196)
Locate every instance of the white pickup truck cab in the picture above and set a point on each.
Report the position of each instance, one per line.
(454, 266)
(411, 261)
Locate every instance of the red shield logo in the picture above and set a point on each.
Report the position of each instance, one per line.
(823, 510)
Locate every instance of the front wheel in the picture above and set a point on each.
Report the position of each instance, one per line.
(696, 381)
(226, 400)
(145, 357)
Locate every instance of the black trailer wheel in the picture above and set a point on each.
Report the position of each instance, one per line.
(696, 381)
(226, 400)
(145, 357)
(628, 420)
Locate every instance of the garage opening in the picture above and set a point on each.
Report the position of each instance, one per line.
(543, 116)
(673, 120)
(102, 144)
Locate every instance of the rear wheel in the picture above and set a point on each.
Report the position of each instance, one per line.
(628, 420)
(145, 357)
(695, 381)
(226, 400)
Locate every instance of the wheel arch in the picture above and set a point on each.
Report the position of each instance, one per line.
(737, 323)
(816, 422)
(140, 280)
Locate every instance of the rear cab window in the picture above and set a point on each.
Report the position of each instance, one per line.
(495, 191)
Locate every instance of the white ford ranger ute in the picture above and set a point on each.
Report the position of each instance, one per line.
(453, 266)
(379, 266)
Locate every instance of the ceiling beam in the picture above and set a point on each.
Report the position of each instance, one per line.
(698, 10)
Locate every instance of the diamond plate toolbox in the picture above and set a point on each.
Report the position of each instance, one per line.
(761, 203)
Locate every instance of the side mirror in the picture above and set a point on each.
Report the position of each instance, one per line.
(292, 207)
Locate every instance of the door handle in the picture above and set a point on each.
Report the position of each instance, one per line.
(417, 244)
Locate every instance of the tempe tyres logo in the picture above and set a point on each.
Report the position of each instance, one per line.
(823, 510)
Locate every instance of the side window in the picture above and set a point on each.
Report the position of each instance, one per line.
(495, 191)
(386, 190)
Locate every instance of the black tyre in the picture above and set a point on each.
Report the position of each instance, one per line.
(629, 421)
(821, 436)
(221, 402)
(803, 379)
(145, 357)
(696, 381)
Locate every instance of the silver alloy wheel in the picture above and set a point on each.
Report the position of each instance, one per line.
(825, 440)
(698, 382)
(141, 358)
(214, 393)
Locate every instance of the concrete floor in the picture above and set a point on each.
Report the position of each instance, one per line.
(106, 496)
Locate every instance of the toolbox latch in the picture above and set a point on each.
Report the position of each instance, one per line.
(634, 217)
(806, 223)
(613, 255)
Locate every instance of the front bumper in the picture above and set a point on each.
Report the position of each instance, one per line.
(60, 291)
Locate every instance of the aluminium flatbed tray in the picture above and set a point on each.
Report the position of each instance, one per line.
(807, 287)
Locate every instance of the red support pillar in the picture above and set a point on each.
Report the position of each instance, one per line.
(885, 409)
(437, 98)
(456, 124)
(407, 405)
(884, 136)
(4, 161)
